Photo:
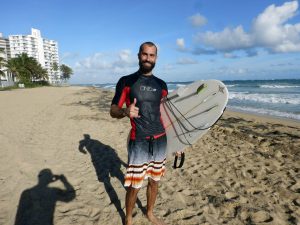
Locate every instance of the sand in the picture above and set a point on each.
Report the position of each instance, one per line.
(63, 159)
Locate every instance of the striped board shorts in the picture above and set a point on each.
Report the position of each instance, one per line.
(146, 159)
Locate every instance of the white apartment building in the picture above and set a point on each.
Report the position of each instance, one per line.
(6, 79)
(43, 50)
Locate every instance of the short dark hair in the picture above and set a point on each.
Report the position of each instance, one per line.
(149, 43)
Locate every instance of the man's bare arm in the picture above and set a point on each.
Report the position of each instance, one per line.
(132, 111)
(117, 112)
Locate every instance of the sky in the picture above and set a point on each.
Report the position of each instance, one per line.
(197, 39)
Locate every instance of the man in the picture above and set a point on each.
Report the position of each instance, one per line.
(142, 92)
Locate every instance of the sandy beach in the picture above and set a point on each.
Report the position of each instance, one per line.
(63, 159)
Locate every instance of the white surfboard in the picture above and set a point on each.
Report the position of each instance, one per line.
(190, 111)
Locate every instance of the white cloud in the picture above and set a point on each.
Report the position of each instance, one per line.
(180, 44)
(125, 55)
(227, 40)
(269, 30)
(96, 61)
(233, 71)
(185, 61)
(104, 67)
(197, 20)
(167, 67)
(126, 59)
(103, 61)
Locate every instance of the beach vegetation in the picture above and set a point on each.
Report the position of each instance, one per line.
(26, 70)
(55, 66)
(66, 71)
(9, 88)
(28, 85)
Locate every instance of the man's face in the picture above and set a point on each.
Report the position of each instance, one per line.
(147, 58)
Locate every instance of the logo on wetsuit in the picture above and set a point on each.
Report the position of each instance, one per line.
(147, 88)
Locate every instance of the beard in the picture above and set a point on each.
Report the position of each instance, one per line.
(145, 68)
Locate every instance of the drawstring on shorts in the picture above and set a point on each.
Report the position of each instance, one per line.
(151, 139)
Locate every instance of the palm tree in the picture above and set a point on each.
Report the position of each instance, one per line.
(37, 72)
(12, 67)
(27, 66)
(66, 71)
(26, 69)
(55, 68)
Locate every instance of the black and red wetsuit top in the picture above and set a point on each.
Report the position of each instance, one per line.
(148, 91)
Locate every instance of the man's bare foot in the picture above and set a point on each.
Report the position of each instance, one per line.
(154, 219)
(128, 221)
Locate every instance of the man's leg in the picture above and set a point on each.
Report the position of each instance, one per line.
(152, 190)
(131, 196)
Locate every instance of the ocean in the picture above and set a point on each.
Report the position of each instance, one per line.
(278, 98)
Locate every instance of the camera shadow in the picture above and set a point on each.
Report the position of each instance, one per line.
(37, 204)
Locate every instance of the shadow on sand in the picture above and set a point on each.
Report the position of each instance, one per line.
(37, 204)
(107, 164)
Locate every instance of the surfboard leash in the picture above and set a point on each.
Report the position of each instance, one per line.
(195, 128)
(182, 157)
(181, 125)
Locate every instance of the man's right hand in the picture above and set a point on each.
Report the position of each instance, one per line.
(132, 111)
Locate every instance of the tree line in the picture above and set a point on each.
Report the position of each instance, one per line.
(28, 70)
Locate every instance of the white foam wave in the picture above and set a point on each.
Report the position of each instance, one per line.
(230, 85)
(110, 86)
(267, 98)
(267, 112)
(278, 86)
(180, 85)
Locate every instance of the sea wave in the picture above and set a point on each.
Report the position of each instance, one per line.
(110, 86)
(278, 86)
(172, 87)
(180, 85)
(293, 99)
(264, 111)
(230, 85)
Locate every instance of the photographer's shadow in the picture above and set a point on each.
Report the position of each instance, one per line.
(107, 164)
(37, 204)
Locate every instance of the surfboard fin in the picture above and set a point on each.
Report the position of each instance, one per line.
(200, 88)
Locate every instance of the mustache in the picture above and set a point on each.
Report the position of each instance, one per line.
(148, 62)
